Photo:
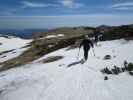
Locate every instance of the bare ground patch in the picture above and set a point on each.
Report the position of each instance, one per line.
(52, 59)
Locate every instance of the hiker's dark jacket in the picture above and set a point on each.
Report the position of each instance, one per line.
(86, 43)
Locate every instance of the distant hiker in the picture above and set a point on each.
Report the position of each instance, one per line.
(96, 32)
(97, 35)
(86, 43)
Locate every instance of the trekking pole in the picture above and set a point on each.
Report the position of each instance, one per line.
(78, 54)
(93, 52)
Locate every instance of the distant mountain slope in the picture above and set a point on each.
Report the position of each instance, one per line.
(109, 32)
(66, 31)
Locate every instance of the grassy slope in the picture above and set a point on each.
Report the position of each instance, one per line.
(41, 45)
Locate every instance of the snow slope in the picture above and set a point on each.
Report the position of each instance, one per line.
(14, 45)
(56, 81)
(53, 36)
(12, 54)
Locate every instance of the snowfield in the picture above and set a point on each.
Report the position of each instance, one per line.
(12, 43)
(14, 46)
(12, 54)
(54, 36)
(57, 81)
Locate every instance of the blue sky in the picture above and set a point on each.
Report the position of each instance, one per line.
(59, 13)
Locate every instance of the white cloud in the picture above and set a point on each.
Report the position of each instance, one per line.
(67, 3)
(37, 5)
(123, 6)
(71, 4)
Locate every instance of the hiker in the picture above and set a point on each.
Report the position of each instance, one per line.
(98, 35)
(86, 43)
